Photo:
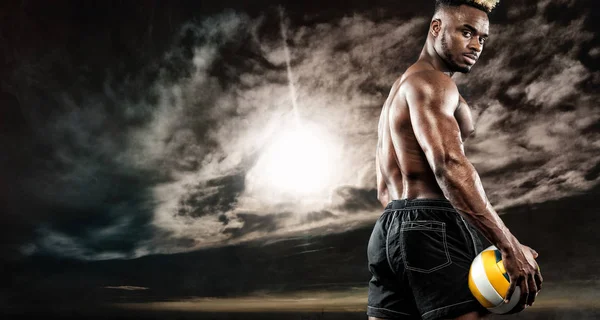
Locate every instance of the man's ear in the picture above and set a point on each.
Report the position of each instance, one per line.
(435, 27)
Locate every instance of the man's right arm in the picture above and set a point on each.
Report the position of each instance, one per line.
(433, 98)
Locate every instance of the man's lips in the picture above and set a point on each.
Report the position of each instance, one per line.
(471, 57)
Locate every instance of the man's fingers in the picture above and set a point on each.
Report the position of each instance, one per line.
(539, 280)
(511, 290)
(533, 290)
(524, 293)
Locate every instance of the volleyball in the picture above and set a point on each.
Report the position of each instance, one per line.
(489, 282)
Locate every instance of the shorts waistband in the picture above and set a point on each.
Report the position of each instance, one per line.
(412, 203)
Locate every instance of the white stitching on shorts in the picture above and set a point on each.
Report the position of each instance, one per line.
(445, 243)
(427, 224)
(445, 307)
(398, 312)
(387, 243)
(422, 207)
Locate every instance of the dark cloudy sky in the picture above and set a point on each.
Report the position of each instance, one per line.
(134, 129)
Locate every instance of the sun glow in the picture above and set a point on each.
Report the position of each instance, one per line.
(300, 161)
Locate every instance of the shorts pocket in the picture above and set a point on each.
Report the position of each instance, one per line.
(423, 245)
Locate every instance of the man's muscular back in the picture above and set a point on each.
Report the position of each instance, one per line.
(402, 167)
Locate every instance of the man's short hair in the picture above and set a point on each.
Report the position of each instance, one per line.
(484, 5)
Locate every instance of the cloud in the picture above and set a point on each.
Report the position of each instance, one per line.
(249, 111)
(126, 288)
(257, 223)
(533, 142)
(353, 199)
(175, 161)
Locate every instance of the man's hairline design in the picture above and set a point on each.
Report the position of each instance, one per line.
(484, 5)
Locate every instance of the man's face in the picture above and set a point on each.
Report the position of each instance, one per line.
(464, 32)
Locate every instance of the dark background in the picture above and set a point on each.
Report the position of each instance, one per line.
(82, 213)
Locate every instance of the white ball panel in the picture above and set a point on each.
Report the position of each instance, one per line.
(483, 284)
(506, 307)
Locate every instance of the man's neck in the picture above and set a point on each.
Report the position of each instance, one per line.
(430, 56)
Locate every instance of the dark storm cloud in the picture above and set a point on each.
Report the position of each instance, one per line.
(90, 170)
(593, 174)
(262, 224)
(155, 150)
(267, 224)
(77, 186)
(164, 151)
(317, 216)
(355, 199)
(214, 196)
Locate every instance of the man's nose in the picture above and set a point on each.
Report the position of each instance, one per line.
(475, 45)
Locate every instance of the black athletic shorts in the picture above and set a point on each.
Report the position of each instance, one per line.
(419, 255)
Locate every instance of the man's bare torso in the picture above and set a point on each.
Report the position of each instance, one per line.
(403, 170)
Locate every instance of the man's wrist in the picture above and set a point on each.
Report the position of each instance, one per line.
(508, 246)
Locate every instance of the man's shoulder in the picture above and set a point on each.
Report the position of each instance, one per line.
(431, 87)
(429, 80)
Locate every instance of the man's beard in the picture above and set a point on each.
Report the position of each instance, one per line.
(449, 59)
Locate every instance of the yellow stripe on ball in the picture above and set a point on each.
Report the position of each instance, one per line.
(501, 267)
(477, 294)
(494, 273)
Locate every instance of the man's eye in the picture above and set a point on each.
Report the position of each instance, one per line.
(482, 40)
(467, 34)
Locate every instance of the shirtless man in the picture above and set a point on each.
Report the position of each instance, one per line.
(423, 244)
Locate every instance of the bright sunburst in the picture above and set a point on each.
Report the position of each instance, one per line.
(300, 161)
